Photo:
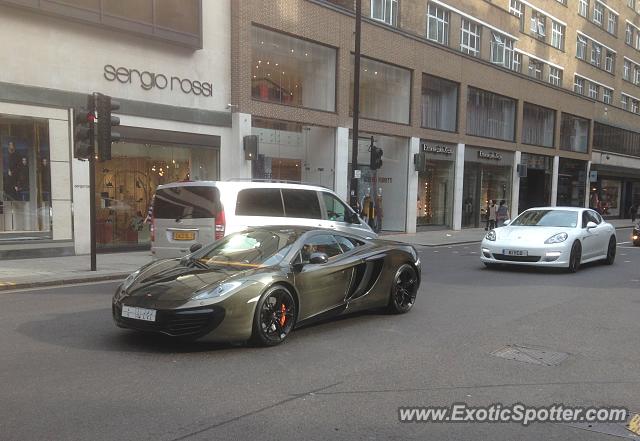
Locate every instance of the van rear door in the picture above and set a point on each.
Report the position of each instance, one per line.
(184, 215)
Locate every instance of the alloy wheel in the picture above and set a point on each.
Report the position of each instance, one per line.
(404, 289)
(277, 312)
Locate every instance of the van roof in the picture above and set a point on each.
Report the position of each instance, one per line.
(240, 184)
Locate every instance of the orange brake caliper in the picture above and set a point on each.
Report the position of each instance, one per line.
(283, 317)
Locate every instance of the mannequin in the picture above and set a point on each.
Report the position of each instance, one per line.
(379, 211)
(367, 207)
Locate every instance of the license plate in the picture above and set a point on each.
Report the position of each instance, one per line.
(184, 235)
(634, 424)
(145, 314)
(514, 252)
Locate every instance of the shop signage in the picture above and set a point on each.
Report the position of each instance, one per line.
(494, 156)
(439, 149)
(150, 80)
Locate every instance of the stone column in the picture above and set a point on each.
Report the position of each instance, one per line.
(458, 187)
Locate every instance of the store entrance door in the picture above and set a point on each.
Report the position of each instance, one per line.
(533, 190)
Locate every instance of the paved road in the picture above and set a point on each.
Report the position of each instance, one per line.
(68, 374)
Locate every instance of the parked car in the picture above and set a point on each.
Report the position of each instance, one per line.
(551, 237)
(635, 235)
(262, 282)
(185, 213)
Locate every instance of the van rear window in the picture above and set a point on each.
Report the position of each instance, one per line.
(187, 202)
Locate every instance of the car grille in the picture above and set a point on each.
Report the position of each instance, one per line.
(507, 258)
(184, 323)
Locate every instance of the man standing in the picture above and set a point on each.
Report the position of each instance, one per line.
(492, 214)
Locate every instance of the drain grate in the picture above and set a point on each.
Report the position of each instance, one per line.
(531, 354)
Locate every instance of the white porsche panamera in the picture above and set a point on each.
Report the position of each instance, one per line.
(561, 237)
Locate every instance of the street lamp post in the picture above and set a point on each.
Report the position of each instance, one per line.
(356, 107)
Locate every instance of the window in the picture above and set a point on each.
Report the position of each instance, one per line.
(490, 115)
(517, 8)
(598, 11)
(336, 210)
(593, 91)
(581, 47)
(637, 42)
(385, 91)
(347, 243)
(259, 202)
(535, 68)
(626, 70)
(616, 140)
(439, 103)
(631, 4)
(322, 243)
(183, 16)
(607, 95)
(291, 71)
(628, 36)
(438, 24)
(555, 76)
(517, 62)
(612, 23)
(538, 125)
(596, 54)
(538, 24)
(192, 202)
(583, 8)
(385, 11)
(301, 203)
(501, 50)
(636, 74)
(578, 85)
(557, 35)
(624, 102)
(609, 61)
(470, 38)
(574, 133)
(634, 106)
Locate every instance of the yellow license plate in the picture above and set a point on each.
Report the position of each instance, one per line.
(634, 424)
(184, 235)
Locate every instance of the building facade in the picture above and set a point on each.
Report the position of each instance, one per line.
(530, 102)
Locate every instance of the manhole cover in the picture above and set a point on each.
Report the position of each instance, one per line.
(531, 354)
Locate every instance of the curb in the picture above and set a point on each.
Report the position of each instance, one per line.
(62, 282)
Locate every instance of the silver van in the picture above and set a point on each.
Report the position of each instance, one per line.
(186, 213)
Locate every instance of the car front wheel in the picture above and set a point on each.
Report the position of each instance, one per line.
(274, 317)
(403, 290)
(611, 251)
(575, 257)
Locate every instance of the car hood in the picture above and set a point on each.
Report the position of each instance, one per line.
(169, 280)
(517, 234)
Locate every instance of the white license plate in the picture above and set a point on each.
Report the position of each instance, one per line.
(514, 252)
(148, 315)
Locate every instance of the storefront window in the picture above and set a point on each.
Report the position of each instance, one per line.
(386, 187)
(439, 103)
(126, 184)
(605, 197)
(487, 177)
(435, 184)
(25, 205)
(294, 152)
(385, 91)
(535, 187)
(574, 133)
(572, 182)
(291, 71)
(538, 125)
(490, 115)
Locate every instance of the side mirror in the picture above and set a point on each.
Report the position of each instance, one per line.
(318, 258)
(195, 247)
(506, 222)
(591, 225)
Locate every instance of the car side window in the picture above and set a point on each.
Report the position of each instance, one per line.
(259, 202)
(347, 244)
(585, 219)
(301, 203)
(336, 210)
(322, 243)
(594, 217)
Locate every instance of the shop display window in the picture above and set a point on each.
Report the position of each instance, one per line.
(572, 181)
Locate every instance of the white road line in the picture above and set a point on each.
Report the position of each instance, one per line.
(623, 243)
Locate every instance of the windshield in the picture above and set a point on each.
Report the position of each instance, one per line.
(547, 218)
(250, 248)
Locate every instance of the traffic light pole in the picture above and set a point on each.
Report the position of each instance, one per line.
(92, 201)
(356, 109)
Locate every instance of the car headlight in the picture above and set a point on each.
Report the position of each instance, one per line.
(491, 235)
(218, 291)
(557, 238)
(129, 280)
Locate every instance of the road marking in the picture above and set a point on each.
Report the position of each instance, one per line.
(7, 284)
(456, 252)
(623, 243)
(627, 261)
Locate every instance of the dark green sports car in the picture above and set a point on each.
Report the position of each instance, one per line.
(261, 283)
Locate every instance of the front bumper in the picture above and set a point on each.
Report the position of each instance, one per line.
(552, 255)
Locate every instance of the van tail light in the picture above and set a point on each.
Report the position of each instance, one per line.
(220, 224)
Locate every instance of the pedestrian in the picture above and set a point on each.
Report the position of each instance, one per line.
(492, 214)
(633, 210)
(502, 213)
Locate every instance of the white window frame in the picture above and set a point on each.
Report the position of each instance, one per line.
(517, 8)
(594, 90)
(634, 105)
(387, 6)
(607, 95)
(612, 23)
(555, 76)
(578, 85)
(628, 37)
(538, 68)
(596, 54)
(439, 17)
(624, 102)
(598, 13)
(637, 42)
(609, 61)
(581, 47)
(626, 70)
(501, 50)
(538, 24)
(472, 32)
(557, 35)
(517, 62)
(636, 75)
(583, 8)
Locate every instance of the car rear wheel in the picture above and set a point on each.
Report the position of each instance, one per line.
(611, 251)
(575, 257)
(274, 317)
(403, 290)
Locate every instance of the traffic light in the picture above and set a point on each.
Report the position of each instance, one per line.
(83, 125)
(104, 106)
(376, 158)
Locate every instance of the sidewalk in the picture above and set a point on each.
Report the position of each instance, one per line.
(29, 273)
